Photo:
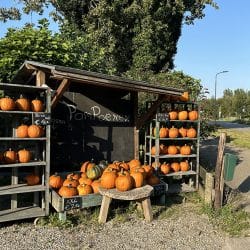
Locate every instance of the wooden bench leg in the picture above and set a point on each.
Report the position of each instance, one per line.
(104, 209)
(147, 209)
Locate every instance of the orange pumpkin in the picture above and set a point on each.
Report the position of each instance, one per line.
(67, 191)
(185, 150)
(183, 132)
(22, 131)
(10, 156)
(32, 179)
(172, 150)
(115, 166)
(191, 133)
(108, 179)
(84, 189)
(165, 168)
(74, 176)
(183, 115)
(134, 163)
(84, 175)
(23, 104)
(124, 165)
(95, 186)
(184, 97)
(184, 165)
(138, 178)
(173, 132)
(163, 132)
(55, 181)
(84, 180)
(24, 156)
(153, 150)
(34, 131)
(147, 169)
(175, 166)
(7, 104)
(70, 181)
(173, 115)
(156, 164)
(163, 149)
(87, 165)
(193, 115)
(36, 105)
(153, 180)
(124, 182)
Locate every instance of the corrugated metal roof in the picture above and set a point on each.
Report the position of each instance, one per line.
(86, 77)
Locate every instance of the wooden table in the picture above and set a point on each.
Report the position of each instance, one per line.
(141, 195)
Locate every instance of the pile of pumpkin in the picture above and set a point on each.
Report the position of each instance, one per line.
(174, 132)
(165, 168)
(123, 176)
(183, 115)
(21, 104)
(172, 150)
(31, 131)
(10, 156)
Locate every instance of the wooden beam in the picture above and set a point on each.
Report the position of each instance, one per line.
(60, 91)
(152, 110)
(218, 171)
(40, 78)
(134, 99)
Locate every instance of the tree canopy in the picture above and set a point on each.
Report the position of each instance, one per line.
(137, 35)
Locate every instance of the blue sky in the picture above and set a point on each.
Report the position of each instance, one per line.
(220, 41)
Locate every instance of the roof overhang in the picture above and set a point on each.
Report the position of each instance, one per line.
(29, 69)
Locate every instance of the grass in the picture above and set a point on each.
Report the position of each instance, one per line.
(235, 137)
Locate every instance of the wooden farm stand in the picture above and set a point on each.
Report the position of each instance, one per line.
(93, 116)
(17, 199)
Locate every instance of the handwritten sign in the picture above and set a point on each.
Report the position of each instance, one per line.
(72, 203)
(162, 117)
(42, 119)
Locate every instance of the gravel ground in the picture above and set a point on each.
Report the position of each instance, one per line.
(187, 230)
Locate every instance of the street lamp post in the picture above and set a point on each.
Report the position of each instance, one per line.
(215, 87)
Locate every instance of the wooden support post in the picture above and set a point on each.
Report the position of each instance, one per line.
(209, 187)
(221, 147)
(40, 78)
(60, 91)
(134, 98)
(104, 209)
(147, 209)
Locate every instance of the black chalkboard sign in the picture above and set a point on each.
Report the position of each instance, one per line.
(42, 119)
(162, 117)
(72, 203)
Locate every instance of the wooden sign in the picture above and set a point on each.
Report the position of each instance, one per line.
(72, 203)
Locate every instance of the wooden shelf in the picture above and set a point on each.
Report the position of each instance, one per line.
(27, 88)
(17, 112)
(22, 139)
(173, 156)
(33, 163)
(195, 121)
(190, 172)
(21, 213)
(173, 139)
(21, 188)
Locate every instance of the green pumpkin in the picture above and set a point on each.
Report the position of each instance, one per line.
(95, 172)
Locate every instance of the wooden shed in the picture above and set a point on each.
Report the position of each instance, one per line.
(93, 115)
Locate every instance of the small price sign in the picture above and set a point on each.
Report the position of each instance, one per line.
(72, 203)
(42, 119)
(162, 117)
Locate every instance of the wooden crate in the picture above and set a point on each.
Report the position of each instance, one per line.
(160, 189)
(62, 204)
